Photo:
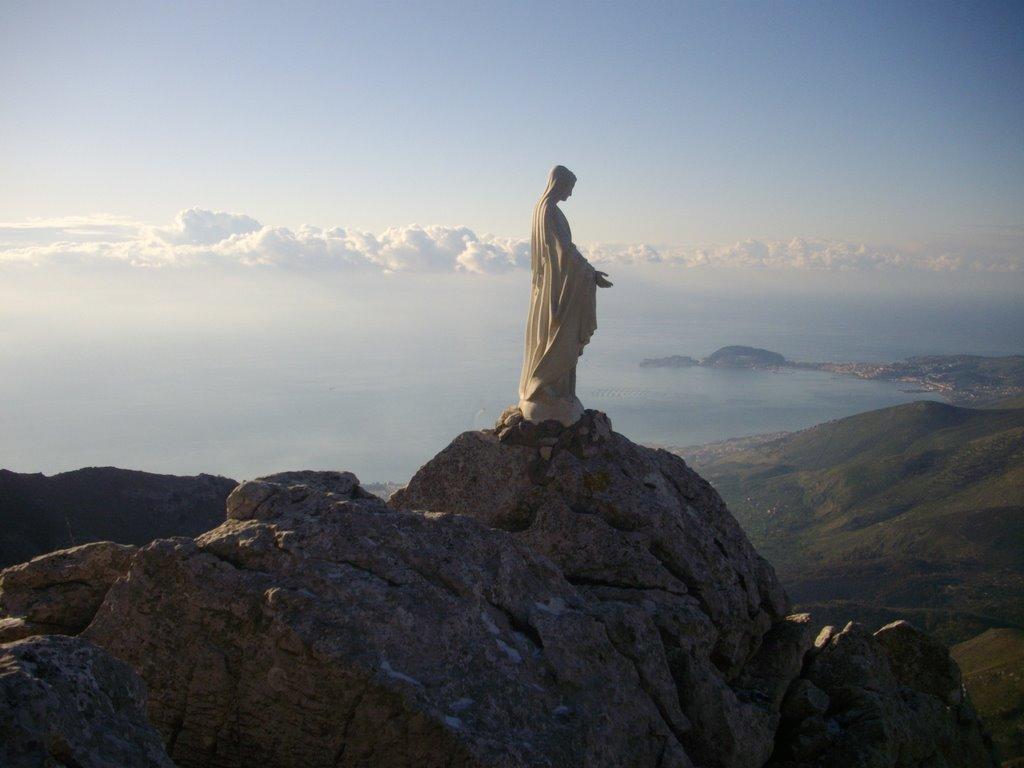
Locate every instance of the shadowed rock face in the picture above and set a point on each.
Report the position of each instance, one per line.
(894, 698)
(629, 525)
(317, 626)
(614, 514)
(65, 702)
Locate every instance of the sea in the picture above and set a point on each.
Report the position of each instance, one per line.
(241, 375)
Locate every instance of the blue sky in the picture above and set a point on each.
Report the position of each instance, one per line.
(900, 125)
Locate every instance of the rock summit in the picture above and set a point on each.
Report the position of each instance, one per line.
(537, 595)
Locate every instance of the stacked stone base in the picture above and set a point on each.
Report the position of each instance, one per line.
(549, 437)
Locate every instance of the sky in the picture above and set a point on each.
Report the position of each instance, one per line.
(417, 136)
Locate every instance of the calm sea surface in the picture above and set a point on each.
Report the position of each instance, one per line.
(244, 378)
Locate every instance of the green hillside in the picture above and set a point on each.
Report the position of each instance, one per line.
(993, 669)
(913, 512)
(1009, 402)
(920, 506)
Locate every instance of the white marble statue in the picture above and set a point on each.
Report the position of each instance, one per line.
(563, 313)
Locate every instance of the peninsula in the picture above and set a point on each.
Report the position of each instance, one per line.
(961, 379)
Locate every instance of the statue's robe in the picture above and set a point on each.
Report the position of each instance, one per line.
(563, 317)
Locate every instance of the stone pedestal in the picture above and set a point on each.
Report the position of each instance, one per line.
(565, 412)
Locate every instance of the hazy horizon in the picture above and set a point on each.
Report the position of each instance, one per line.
(264, 370)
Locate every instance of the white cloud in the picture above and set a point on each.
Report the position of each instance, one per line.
(199, 227)
(200, 237)
(822, 254)
(98, 226)
(439, 249)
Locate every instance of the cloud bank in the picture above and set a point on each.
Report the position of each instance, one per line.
(199, 237)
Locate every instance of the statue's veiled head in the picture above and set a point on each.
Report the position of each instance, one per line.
(560, 183)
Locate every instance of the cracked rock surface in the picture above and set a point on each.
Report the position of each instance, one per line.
(630, 525)
(892, 699)
(318, 627)
(59, 592)
(65, 702)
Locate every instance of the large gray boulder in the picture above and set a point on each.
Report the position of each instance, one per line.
(318, 627)
(892, 699)
(629, 525)
(64, 702)
(59, 592)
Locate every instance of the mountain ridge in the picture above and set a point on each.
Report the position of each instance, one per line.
(41, 513)
(974, 380)
(926, 491)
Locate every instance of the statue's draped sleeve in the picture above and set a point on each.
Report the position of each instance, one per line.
(562, 314)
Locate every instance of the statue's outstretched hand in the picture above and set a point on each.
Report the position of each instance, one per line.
(601, 278)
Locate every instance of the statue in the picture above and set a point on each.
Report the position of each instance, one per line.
(563, 310)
